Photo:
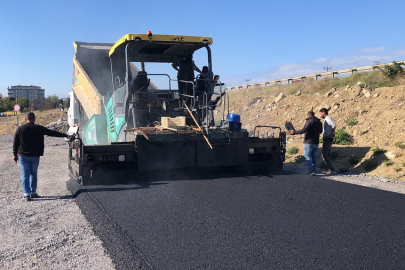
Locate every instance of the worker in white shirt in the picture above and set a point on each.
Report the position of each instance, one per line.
(329, 127)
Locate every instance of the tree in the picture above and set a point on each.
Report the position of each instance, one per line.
(7, 104)
(51, 102)
(24, 103)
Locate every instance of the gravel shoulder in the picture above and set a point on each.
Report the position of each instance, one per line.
(377, 182)
(51, 231)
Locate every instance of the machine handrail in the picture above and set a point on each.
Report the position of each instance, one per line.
(163, 74)
(225, 102)
(192, 105)
(260, 126)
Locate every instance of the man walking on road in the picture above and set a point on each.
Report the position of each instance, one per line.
(329, 127)
(312, 130)
(28, 146)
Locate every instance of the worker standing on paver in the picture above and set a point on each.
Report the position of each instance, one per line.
(329, 127)
(312, 129)
(28, 146)
(185, 75)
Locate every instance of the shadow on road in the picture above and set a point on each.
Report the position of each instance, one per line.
(150, 179)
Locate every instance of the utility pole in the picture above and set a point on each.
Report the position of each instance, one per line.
(327, 68)
(247, 83)
(8, 127)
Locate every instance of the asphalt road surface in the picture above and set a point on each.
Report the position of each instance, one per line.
(255, 222)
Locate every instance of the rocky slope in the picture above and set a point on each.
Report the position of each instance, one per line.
(377, 114)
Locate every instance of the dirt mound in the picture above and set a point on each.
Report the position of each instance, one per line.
(44, 118)
(373, 117)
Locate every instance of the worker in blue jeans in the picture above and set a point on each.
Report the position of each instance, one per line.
(312, 129)
(28, 146)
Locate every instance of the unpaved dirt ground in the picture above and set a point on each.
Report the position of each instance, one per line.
(49, 232)
(9, 124)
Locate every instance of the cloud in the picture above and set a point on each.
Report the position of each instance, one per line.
(356, 61)
(315, 66)
(401, 53)
(320, 60)
(372, 50)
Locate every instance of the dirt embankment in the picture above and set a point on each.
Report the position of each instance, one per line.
(8, 125)
(374, 118)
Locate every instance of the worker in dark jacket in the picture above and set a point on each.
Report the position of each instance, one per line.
(185, 75)
(312, 130)
(28, 146)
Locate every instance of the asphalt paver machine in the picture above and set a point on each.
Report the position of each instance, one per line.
(123, 124)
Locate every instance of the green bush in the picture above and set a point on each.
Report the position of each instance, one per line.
(397, 169)
(388, 162)
(334, 155)
(353, 160)
(293, 150)
(300, 159)
(403, 164)
(351, 121)
(378, 151)
(390, 72)
(322, 165)
(343, 170)
(370, 165)
(400, 145)
(342, 138)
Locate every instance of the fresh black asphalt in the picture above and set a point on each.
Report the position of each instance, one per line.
(285, 221)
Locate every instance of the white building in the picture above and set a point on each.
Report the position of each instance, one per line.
(31, 92)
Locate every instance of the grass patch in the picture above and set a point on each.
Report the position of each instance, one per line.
(370, 165)
(397, 169)
(293, 150)
(351, 121)
(373, 79)
(323, 165)
(400, 145)
(388, 162)
(300, 159)
(343, 170)
(342, 138)
(378, 151)
(334, 155)
(353, 160)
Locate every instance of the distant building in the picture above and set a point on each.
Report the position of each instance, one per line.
(31, 92)
(35, 94)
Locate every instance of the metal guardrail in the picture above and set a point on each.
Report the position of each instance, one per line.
(314, 76)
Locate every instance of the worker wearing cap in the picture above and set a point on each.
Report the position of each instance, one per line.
(312, 129)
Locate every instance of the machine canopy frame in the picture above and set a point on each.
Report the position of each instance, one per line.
(157, 48)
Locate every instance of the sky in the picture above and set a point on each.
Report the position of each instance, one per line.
(256, 40)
